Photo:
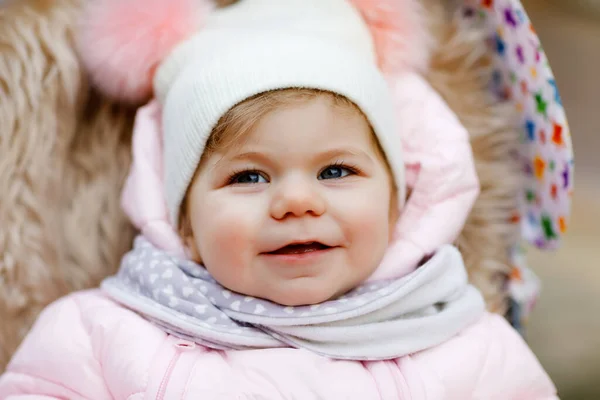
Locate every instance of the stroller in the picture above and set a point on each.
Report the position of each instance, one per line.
(65, 150)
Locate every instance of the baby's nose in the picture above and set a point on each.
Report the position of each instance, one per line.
(297, 198)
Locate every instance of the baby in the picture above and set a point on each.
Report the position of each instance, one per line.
(269, 183)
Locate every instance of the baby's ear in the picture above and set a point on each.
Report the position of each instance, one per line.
(395, 211)
(186, 233)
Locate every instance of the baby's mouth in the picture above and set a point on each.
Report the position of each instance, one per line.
(300, 248)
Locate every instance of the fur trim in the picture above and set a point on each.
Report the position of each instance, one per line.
(121, 42)
(399, 33)
(461, 67)
(65, 152)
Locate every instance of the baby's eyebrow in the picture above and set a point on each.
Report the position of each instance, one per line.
(324, 156)
(345, 154)
(344, 151)
(255, 156)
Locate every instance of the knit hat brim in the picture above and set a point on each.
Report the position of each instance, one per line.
(230, 70)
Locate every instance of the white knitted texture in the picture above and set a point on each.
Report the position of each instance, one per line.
(334, 20)
(230, 71)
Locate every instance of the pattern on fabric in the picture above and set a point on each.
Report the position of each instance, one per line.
(523, 75)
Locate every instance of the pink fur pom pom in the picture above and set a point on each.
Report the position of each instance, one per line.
(121, 42)
(399, 33)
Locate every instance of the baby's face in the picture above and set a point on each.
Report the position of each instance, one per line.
(297, 213)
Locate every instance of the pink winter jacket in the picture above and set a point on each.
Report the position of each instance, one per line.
(85, 346)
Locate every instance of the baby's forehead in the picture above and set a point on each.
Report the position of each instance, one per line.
(323, 121)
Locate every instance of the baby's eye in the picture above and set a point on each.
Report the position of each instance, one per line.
(247, 177)
(335, 172)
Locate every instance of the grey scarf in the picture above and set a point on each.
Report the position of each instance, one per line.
(375, 321)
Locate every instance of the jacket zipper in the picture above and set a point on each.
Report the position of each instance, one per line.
(162, 389)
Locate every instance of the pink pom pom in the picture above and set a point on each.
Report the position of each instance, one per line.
(121, 42)
(399, 33)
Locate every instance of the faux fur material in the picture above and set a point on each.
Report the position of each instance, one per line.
(64, 153)
(460, 71)
(123, 41)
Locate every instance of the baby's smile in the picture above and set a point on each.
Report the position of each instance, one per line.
(300, 248)
(298, 254)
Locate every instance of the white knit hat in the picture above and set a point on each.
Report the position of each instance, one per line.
(263, 45)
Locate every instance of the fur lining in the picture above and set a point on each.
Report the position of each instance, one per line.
(64, 153)
(460, 71)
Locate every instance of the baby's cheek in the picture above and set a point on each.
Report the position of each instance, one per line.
(222, 253)
(370, 233)
(232, 238)
(229, 234)
(370, 216)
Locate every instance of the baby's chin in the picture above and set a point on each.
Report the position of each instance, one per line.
(300, 299)
(304, 293)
